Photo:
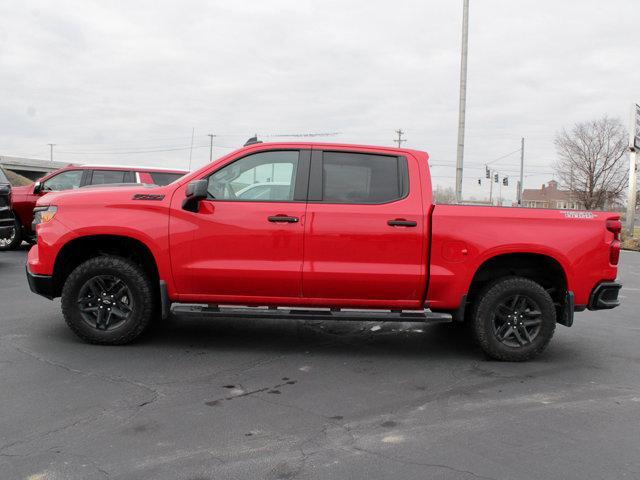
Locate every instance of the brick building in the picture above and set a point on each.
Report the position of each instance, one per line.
(550, 196)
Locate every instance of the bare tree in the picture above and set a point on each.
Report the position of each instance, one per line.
(591, 161)
(444, 195)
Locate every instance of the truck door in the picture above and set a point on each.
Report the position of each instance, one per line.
(245, 242)
(365, 230)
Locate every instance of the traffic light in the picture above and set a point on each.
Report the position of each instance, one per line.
(505, 181)
(487, 172)
(495, 177)
(479, 182)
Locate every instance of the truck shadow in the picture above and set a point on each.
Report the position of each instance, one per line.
(401, 339)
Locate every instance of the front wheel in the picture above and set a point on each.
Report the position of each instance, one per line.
(15, 239)
(514, 320)
(108, 300)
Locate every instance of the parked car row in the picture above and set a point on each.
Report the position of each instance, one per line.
(17, 203)
(7, 221)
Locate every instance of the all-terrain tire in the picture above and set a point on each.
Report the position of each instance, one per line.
(16, 240)
(491, 299)
(143, 300)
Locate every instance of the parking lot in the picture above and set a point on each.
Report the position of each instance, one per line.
(214, 399)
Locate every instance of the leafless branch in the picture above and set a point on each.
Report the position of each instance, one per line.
(591, 161)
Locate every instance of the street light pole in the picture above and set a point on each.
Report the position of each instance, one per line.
(51, 151)
(521, 173)
(463, 99)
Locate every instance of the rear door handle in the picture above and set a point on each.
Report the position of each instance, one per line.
(283, 219)
(399, 222)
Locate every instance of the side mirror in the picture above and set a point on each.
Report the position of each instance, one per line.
(37, 188)
(196, 191)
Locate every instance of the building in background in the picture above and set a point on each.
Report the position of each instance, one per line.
(550, 196)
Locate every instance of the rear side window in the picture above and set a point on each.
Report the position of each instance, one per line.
(164, 178)
(363, 178)
(101, 177)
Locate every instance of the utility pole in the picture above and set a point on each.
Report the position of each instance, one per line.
(51, 151)
(210, 135)
(400, 132)
(634, 144)
(490, 186)
(463, 99)
(521, 173)
(491, 190)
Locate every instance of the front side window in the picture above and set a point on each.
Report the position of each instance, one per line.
(264, 176)
(101, 177)
(63, 181)
(363, 178)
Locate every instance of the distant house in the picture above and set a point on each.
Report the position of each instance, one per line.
(550, 196)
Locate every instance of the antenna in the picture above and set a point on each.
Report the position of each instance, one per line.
(310, 134)
(51, 145)
(210, 135)
(193, 131)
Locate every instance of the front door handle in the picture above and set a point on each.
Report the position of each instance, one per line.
(400, 222)
(283, 219)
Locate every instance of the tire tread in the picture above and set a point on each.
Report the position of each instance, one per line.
(130, 269)
(483, 307)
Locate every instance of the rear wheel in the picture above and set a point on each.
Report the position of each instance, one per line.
(514, 320)
(108, 300)
(14, 240)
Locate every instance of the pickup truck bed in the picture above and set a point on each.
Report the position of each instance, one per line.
(323, 225)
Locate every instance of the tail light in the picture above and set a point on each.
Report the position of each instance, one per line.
(615, 227)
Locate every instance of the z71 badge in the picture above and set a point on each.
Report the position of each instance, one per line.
(147, 196)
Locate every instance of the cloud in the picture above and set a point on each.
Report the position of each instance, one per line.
(96, 76)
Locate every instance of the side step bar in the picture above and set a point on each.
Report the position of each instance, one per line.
(216, 311)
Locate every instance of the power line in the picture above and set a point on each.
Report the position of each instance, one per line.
(399, 140)
(503, 156)
(132, 151)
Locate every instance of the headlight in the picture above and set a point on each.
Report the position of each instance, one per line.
(43, 215)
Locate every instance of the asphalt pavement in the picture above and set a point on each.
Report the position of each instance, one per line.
(204, 399)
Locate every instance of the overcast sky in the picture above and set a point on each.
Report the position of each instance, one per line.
(104, 79)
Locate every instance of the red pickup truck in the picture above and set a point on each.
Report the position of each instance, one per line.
(356, 228)
(24, 198)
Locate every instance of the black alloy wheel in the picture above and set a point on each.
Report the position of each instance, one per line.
(105, 302)
(517, 320)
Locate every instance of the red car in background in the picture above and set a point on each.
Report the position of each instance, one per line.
(24, 198)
